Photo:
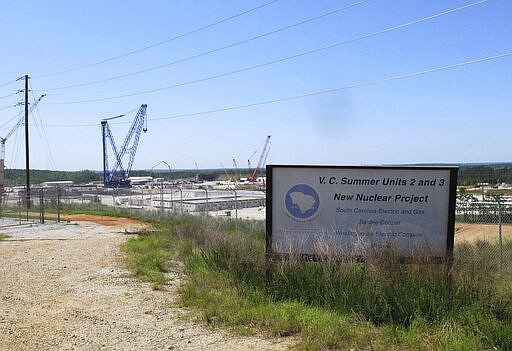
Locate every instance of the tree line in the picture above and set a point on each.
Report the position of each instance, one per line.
(15, 177)
(468, 175)
(491, 174)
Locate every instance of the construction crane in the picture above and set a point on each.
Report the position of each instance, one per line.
(229, 177)
(264, 153)
(118, 176)
(249, 166)
(237, 171)
(20, 122)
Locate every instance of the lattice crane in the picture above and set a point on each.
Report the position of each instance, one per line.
(118, 176)
(20, 122)
(264, 153)
(237, 171)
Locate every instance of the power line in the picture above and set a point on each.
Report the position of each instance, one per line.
(44, 138)
(12, 118)
(7, 107)
(7, 83)
(159, 43)
(268, 63)
(352, 86)
(42, 133)
(6, 96)
(311, 19)
(323, 92)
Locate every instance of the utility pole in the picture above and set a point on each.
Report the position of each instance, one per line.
(27, 158)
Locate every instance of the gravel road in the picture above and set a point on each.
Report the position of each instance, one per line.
(63, 286)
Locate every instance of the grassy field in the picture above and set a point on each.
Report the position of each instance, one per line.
(336, 303)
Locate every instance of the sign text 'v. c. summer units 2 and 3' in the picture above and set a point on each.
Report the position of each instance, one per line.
(315, 210)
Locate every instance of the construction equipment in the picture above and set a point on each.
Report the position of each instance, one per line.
(118, 176)
(197, 179)
(229, 177)
(20, 122)
(264, 153)
(237, 171)
(249, 166)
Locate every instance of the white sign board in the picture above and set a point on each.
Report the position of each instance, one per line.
(356, 210)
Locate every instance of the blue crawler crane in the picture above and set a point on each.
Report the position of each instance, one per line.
(118, 176)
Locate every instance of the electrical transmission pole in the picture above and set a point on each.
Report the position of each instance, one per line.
(27, 159)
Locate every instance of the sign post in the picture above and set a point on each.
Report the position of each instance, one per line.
(320, 211)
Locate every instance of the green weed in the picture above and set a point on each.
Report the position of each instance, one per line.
(334, 303)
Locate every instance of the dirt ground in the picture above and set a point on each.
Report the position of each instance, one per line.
(467, 232)
(63, 286)
(125, 223)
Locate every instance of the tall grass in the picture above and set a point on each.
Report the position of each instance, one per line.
(336, 302)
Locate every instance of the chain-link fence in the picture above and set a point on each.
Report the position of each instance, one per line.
(48, 203)
(487, 225)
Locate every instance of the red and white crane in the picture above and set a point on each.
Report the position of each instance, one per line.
(264, 153)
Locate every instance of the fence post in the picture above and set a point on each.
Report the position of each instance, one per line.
(41, 206)
(181, 199)
(501, 236)
(130, 205)
(172, 204)
(27, 202)
(162, 198)
(142, 197)
(236, 209)
(58, 205)
(19, 209)
(113, 199)
(98, 199)
(206, 194)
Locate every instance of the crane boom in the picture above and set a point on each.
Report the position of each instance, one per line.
(21, 121)
(118, 176)
(22, 118)
(237, 171)
(263, 157)
(7, 136)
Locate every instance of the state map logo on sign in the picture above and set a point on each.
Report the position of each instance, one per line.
(302, 202)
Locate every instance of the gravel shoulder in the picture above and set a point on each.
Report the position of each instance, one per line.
(63, 286)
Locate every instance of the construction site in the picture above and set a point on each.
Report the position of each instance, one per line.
(232, 193)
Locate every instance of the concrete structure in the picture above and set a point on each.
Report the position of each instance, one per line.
(56, 184)
(202, 204)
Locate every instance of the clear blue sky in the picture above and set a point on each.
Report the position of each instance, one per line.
(462, 114)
